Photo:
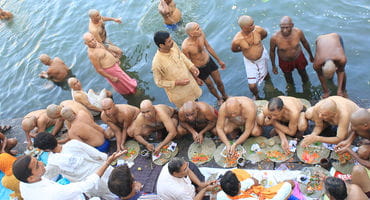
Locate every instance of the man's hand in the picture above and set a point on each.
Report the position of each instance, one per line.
(200, 138)
(114, 156)
(157, 150)
(118, 20)
(275, 70)
(222, 65)
(199, 81)
(195, 137)
(43, 74)
(194, 71)
(150, 147)
(285, 145)
(308, 139)
(342, 146)
(182, 82)
(113, 79)
(231, 149)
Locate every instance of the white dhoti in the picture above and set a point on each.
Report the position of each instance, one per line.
(257, 70)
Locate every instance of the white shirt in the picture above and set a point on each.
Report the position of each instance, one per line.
(78, 160)
(172, 188)
(50, 190)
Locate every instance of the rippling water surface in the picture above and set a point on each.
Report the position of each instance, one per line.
(56, 28)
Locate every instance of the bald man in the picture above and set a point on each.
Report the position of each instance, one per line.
(118, 117)
(85, 130)
(333, 111)
(53, 111)
(360, 126)
(197, 49)
(235, 115)
(90, 100)
(108, 66)
(154, 118)
(97, 29)
(330, 57)
(171, 15)
(288, 43)
(286, 115)
(197, 118)
(249, 42)
(57, 71)
(38, 121)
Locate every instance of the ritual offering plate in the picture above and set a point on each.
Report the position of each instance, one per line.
(313, 153)
(275, 152)
(166, 153)
(342, 162)
(305, 102)
(133, 150)
(225, 161)
(260, 105)
(201, 153)
(311, 183)
(255, 148)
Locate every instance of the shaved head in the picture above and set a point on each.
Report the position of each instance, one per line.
(145, 104)
(87, 36)
(190, 27)
(29, 123)
(93, 12)
(44, 58)
(53, 111)
(232, 104)
(107, 102)
(286, 20)
(71, 81)
(328, 105)
(360, 117)
(189, 106)
(68, 114)
(245, 20)
(329, 69)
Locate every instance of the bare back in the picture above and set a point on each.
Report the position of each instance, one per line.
(126, 114)
(84, 132)
(329, 47)
(196, 51)
(57, 71)
(288, 48)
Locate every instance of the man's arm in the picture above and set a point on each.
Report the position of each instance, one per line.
(211, 119)
(213, 52)
(365, 163)
(185, 125)
(262, 32)
(340, 148)
(272, 54)
(235, 46)
(170, 127)
(117, 132)
(306, 45)
(163, 8)
(342, 133)
(249, 124)
(118, 20)
(83, 99)
(58, 125)
(292, 128)
(160, 81)
(221, 125)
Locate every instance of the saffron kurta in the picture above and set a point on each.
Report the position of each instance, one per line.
(172, 66)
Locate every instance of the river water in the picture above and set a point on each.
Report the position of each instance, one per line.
(56, 27)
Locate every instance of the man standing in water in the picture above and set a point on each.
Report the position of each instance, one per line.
(330, 57)
(171, 15)
(287, 41)
(173, 71)
(107, 65)
(195, 47)
(249, 42)
(57, 71)
(97, 29)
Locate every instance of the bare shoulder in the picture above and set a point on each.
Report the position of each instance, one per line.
(185, 43)
(275, 36)
(259, 29)
(204, 107)
(57, 59)
(238, 36)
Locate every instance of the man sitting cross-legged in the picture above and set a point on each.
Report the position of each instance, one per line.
(286, 115)
(197, 118)
(154, 118)
(235, 114)
(119, 117)
(74, 160)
